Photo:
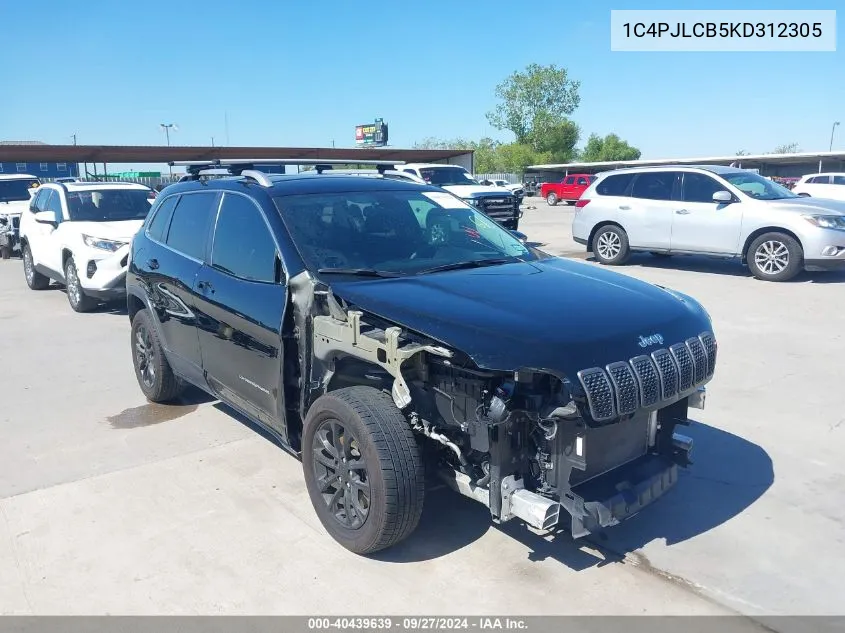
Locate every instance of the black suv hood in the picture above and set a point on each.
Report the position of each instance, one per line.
(553, 314)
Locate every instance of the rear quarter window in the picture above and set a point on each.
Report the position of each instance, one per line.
(617, 185)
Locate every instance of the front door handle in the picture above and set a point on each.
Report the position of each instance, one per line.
(152, 264)
(682, 212)
(624, 207)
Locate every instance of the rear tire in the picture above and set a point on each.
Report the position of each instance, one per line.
(610, 245)
(363, 469)
(775, 257)
(78, 300)
(551, 199)
(154, 374)
(34, 279)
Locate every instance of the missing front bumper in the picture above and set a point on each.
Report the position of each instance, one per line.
(611, 498)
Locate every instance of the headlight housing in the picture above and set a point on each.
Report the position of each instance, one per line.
(102, 243)
(472, 201)
(836, 222)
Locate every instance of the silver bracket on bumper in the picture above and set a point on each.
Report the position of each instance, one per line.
(697, 398)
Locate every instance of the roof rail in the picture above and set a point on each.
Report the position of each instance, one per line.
(238, 166)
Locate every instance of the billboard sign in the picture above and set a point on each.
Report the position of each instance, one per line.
(371, 134)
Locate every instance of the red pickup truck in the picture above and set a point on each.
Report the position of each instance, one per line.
(569, 189)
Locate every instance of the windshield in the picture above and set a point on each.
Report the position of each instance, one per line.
(758, 187)
(17, 190)
(108, 205)
(394, 232)
(444, 176)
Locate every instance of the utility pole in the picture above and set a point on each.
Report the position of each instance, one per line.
(212, 141)
(166, 127)
(74, 139)
(832, 131)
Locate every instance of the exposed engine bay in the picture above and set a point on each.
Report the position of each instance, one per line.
(524, 443)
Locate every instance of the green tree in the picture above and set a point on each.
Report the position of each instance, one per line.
(611, 147)
(789, 148)
(515, 157)
(558, 141)
(741, 152)
(533, 100)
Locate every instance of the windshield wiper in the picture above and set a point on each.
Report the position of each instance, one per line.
(473, 263)
(359, 272)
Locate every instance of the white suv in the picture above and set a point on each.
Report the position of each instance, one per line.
(79, 234)
(16, 191)
(821, 186)
(710, 210)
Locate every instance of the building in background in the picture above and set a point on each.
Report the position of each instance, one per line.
(39, 170)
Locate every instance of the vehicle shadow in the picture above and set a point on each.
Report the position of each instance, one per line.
(729, 474)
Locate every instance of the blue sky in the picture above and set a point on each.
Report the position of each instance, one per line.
(304, 73)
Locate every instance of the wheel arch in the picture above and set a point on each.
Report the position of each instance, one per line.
(598, 226)
(66, 255)
(763, 230)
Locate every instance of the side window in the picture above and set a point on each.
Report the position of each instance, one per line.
(243, 246)
(700, 188)
(40, 200)
(654, 185)
(569, 181)
(54, 204)
(583, 181)
(161, 220)
(615, 185)
(411, 171)
(839, 180)
(192, 217)
(820, 180)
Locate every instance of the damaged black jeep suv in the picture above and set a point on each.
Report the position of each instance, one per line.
(385, 330)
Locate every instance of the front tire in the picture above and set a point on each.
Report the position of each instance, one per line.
(775, 257)
(363, 469)
(552, 199)
(154, 374)
(610, 245)
(78, 300)
(34, 279)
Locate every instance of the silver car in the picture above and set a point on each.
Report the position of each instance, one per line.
(710, 210)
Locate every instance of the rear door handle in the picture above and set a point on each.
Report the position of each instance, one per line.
(682, 212)
(624, 207)
(152, 264)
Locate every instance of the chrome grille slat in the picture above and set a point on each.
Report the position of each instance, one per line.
(709, 342)
(699, 359)
(647, 379)
(686, 370)
(668, 370)
(599, 393)
(625, 387)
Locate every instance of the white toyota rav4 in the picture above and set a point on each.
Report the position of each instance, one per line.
(78, 234)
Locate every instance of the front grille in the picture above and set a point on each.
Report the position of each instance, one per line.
(686, 370)
(668, 373)
(699, 358)
(499, 207)
(649, 382)
(623, 387)
(710, 348)
(599, 393)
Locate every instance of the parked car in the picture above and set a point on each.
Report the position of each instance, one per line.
(365, 322)
(78, 234)
(830, 185)
(15, 193)
(710, 210)
(496, 202)
(515, 188)
(569, 189)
